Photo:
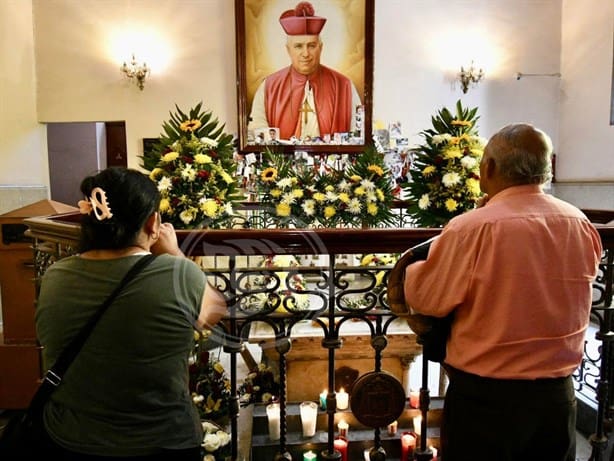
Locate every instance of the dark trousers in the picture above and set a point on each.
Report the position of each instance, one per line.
(55, 452)
(508, 420)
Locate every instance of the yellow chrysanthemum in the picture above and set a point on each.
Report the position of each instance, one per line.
(283, 209)
(319, 197)
(298, 193)
(329, 188)
(376, 169)
(429, 170)
(276, 193)
(209, 208)
(202, 159)
(170, 156)
(344, 197)
(269, 174)
(380, 195)
(452, 152)
(451, 204)
(190, 125)
(165, 205)
(154, 173)
(355, 178)
(473, 186)
(372, 209)
(359, 191)
(329, 212)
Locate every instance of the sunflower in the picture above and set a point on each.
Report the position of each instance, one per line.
(269, 174)
(190, 125)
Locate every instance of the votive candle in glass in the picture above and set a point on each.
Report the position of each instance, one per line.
(309, 415)
(341, 445)
(272, 413)
(343, 428)
(343, 399)
(392, 428)
(408, 445)
(310, 456)
(323, 395)
(414, 399)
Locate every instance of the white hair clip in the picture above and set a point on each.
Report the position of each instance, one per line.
(97, 203)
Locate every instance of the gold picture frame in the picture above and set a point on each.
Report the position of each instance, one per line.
(346, 47)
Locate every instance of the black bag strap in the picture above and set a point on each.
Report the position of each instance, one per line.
(54, 375)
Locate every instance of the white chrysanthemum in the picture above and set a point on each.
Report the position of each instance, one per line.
(288, 198)
(451, 179)
(228, 209)
(188, 173)
(371, 197)
(441, 138)
(211, 442)
(367, 185)
(331, 196)
(354, 206)
(284, 183)
(424, 202)
(209, 142)
(165, 183)
(309, 207)
(344, 186)
(468, 162)
(224, 438)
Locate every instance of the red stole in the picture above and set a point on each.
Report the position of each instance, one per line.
(285, 92)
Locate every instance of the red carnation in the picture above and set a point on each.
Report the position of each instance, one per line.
(304, 9)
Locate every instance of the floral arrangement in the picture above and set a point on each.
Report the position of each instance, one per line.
(359, 196)
(287, 293)
(216, 442)
(259, 386)
(209, 384)
(192, 165)
(445, 179)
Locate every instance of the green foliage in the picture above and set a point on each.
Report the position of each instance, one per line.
(192, 164)
(445, 171)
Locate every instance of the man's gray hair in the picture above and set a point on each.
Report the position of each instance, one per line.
(523, 154)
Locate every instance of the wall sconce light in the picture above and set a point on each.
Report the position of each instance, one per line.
(470, 75)
(135, 71)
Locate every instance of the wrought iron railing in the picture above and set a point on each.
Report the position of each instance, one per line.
(339, 291)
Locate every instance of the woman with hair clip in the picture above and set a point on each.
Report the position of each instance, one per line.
(125, 395)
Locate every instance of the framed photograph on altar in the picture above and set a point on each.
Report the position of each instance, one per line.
(305, 70)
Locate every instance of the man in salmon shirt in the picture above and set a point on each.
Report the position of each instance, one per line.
(305, 99)
(516, 274)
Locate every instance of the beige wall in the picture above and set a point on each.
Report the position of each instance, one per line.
(419, 46)
(23, 155)
(587, 138)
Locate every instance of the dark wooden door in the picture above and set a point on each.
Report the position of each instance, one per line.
(116, 143)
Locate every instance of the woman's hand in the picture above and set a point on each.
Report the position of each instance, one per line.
(167, 241)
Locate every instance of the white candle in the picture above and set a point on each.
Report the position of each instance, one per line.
(342, 399)
(392, 428)
(272, 413)
(434, 450)
(418, 424)
(343, 428)
(414, 399)
(367, 454)
(309, 414)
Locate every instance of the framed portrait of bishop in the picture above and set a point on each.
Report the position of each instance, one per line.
(305, 73)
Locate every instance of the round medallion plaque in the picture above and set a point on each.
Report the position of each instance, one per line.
(377, 399)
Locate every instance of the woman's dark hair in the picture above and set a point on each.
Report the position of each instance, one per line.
(132, 198)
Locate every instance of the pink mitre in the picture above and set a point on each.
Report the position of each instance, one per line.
(301, 20)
